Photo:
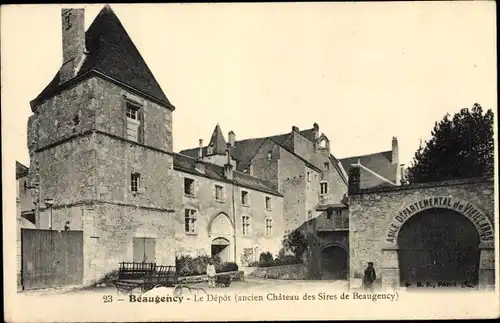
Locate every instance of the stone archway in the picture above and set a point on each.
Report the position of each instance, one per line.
(221, 228)
(480, 245)
(334, 262)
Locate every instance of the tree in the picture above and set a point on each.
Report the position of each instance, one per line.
(296, 242)
(460, 147)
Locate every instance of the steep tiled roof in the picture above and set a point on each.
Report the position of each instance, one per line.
(218, 142)
(244, 150)
(112, 52)
(187, 164)
(380, 163)
(21, 170)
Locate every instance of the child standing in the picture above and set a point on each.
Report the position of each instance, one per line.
(211, 273)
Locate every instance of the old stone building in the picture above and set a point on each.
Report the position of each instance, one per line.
(433, 235)
(100, 145)
(298, 164)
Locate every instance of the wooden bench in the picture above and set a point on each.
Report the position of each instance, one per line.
(132, 275)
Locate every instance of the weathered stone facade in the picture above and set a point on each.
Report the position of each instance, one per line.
(118, 188)
(223, 218)
(376, 216)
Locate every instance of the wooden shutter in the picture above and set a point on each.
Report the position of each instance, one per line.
(149, 249)
(138, 249)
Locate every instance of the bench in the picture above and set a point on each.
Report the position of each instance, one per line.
(132, 275)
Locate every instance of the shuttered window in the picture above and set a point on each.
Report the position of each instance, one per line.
(144, 249)
(133, 122)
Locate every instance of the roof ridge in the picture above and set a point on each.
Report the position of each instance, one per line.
(366, 155)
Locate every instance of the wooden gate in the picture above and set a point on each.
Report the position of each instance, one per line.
(51, 258)
(438, 246)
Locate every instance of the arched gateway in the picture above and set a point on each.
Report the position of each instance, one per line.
(334, 262)
(437, 241)
(221, 229)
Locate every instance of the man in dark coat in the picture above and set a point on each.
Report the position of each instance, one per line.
(369, 277)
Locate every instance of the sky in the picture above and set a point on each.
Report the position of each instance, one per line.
(365, 72)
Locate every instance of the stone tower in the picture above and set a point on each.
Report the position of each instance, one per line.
(100, 143)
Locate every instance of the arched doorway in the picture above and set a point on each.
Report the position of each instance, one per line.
(221, 249)
(221, 228)
(438, 247)
(334, 262)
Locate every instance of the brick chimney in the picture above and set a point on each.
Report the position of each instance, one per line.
(395, 151)
(316, 130)
(73, 42)
(200, 149)
(231, 138)
(228, 167)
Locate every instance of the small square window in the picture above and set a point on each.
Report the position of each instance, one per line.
(134, 182)
(245, 225)
(268, 203)
(269, 227)
(327, 166)
(132, 111)
(323, 188)
(190, 221)
(219, 193)
(244, 197)
(269, 155)
(189, 186)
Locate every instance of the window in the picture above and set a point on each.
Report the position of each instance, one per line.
(245, 225)
(309, 215)
(135, 182)
(323, 188)
(219, 193)
(133, 122)
(341, 220)
(327, 166)
(244, 197)
(308, 176)
(269, 155)
(268, 203)
(269, 227)
(210, 150)
(329, 214)
(190, 221)
(189, 186)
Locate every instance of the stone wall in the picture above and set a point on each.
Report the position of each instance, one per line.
(373, 210)
(110, 115)
(224, 218)
(293, 185)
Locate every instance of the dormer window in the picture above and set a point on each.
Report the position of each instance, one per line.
(133, 122)
(269, 155)
(210, 150)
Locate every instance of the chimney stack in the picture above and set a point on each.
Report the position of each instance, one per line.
(228, 167)
(200, 150)
(395, 151)
(73, 42)
(231, 137)
(316, 130)
(295, 129)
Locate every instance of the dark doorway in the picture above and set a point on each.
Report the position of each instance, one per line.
(438, 247)
(334, 263)
(220, 249)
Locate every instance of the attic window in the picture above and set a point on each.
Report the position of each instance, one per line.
(327, 166)
(322, 143)
(133, 122)
(269, 155)
(210, 149)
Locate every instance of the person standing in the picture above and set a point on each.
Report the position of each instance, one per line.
(211, 273)
(369, 277)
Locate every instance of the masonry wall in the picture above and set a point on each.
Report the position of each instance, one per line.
(372, 212)
(110, 115)
(263, 167)
(209, 209)
(293, 184)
